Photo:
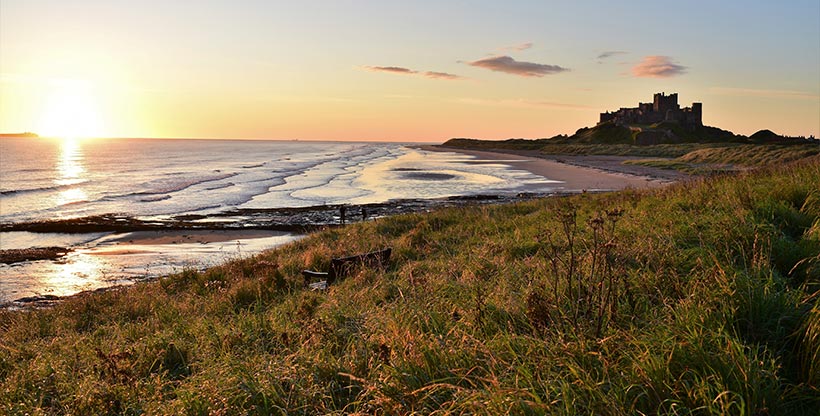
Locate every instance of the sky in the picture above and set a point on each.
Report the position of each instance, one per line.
(406, 71)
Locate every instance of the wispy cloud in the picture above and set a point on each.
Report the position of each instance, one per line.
(407, 71)
(523, 102)
(520, 47)
(441, 75)
(390, 69)
(657, 66)
(609, 54)
(511, 66)
(751, 92)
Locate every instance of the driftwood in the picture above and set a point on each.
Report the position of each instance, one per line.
(340, 267)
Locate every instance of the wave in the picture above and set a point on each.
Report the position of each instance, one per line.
(155, 198)
(171, 185)
(220, 186)
(31, 170)
(78, 202)
(200, 209)
(33, 190)
(219, 176)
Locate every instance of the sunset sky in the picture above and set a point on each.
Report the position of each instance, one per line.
(408, 71)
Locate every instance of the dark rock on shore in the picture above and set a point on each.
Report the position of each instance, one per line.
(40, 298)
(28, 254)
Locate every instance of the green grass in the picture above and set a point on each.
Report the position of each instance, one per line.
(713, 309)
(677, 164)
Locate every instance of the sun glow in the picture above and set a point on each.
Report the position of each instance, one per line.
(71, 111)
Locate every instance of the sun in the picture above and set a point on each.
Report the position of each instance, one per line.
(71, 111)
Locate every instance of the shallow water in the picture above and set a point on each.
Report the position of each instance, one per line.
(47, 179)
(111, 260)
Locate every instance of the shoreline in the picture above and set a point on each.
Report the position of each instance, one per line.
(136, 238)
(571, 174)
(293, 220)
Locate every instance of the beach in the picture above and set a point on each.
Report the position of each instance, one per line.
(98, 251)
(576, 172)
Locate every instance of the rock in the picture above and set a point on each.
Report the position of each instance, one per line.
(29, 254)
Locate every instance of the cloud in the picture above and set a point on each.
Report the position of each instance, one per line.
(608, 54)
(519, 47)
(656, 66)
(441, 75)
(511, 66)
(391, 69)
(407, 71)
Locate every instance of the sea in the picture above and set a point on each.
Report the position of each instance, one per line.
(155, 179)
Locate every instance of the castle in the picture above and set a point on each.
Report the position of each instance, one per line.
(663, 108)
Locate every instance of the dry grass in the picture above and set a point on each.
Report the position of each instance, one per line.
(717, 284)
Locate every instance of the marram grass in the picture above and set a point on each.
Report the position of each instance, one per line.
(700, 299)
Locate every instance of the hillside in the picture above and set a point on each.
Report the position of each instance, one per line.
(701, 297)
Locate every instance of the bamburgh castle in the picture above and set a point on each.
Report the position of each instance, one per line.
(663, 108)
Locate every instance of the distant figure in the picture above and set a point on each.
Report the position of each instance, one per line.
(342, 210)
(364, 213)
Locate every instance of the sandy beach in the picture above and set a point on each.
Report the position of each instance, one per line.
(577, 173)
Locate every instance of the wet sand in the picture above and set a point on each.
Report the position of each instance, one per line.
(166, 237)
(576, 173)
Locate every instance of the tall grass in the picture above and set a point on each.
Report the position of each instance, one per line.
(699, 298)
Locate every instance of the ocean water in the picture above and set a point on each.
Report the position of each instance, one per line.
(47, 180)
(51, 179)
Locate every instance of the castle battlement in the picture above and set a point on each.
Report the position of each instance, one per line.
(662, 108)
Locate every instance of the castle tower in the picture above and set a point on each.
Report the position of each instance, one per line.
(663, 103)
(697, 113)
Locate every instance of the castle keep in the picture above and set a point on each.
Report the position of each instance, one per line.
(663, 108)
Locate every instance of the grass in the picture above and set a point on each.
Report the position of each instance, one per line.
(752, 155)
(699, 298)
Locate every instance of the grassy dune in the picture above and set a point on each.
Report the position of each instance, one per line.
(711, 158)
(752, 155)
(700, 298)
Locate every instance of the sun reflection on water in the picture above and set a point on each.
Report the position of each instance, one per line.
(70, 171)
(76, 272)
